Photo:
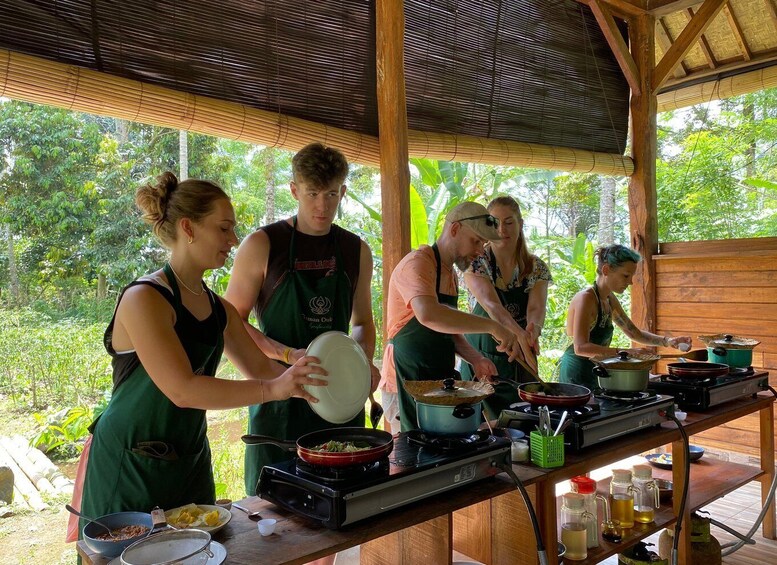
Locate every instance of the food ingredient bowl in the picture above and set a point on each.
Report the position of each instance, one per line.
(665, 491)
(114, 547)
(696, 452)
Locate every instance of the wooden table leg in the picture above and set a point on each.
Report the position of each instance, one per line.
(678, 478)
(766, 417)
(425, 544)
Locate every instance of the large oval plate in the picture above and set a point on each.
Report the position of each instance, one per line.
(224, 517)
(348, 380)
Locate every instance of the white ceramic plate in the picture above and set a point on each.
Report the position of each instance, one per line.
(224, 517)
(349, 377)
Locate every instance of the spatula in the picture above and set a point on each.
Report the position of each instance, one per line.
(376, 412)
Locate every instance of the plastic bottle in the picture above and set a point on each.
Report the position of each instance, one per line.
(622, 495)
(586, 487)
(574, 521)
(646, 494)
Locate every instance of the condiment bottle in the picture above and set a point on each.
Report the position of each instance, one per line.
(574, 521)
(646, 496)
(586, 487)
(622, 494)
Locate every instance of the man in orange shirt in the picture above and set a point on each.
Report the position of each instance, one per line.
(423, 323)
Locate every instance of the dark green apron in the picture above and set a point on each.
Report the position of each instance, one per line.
(300, 309)
(579, 370)
(146, 451)
(515, 301)
(422, 354)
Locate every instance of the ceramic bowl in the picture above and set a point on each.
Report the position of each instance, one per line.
(110, 548)
(266, 526)
(696, 452)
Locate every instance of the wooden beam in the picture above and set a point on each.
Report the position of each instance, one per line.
(621, 7)
(615, 40)
(665, 42)
(737, 31)
(642, 184)
(699, 22)
(704, 45)
(760, 58)
(660, 8)
(772, 9)
(392, 126)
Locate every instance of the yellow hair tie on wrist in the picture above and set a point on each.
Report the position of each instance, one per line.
(286, 353)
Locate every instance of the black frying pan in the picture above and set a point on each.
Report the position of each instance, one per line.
(697, 370)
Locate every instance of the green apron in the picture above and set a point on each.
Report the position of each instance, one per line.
(146, 451)
(516, 301)
(579, 370)
(420, 354)
(300, 309)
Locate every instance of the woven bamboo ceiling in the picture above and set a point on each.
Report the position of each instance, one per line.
(499, 77)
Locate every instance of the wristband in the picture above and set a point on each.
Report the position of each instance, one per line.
(286, 353)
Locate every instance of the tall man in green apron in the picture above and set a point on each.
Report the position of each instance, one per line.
(424, 325)
(301, 277)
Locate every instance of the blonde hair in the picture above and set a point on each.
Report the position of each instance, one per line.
(167, 201)
(524, 260)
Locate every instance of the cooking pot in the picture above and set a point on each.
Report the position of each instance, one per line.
(442, 420)
(378, 445)
(734, 351)
(624, 372)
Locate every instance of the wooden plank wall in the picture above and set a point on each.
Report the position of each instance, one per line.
(727, 286)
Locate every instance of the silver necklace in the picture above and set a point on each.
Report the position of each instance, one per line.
(180, 280)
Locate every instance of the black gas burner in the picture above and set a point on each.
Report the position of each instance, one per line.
(575, 412)
(740, 371)
(346, 473)
(448, 443)
(692, 394)
(625, 396)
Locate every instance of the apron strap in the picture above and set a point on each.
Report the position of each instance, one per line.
(438, 261)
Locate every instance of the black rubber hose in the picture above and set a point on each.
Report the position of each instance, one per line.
(542, 554)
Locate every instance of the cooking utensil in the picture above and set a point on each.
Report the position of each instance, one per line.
(168, 548)
(561, 421)
(442, 420)
(376, 411)
(378, 445)
(697, 370)
(448, 392)
(561, 394)
(696, 355)
(255, 516)
(112, 547)
(77, 513)
(734, 351)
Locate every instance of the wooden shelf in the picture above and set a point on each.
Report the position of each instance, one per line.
(710, 479)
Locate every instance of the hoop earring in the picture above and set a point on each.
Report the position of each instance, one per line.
(190, 240)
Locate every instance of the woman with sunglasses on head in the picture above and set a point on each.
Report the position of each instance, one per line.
(510, 285)
(149, 447)
(593, 311)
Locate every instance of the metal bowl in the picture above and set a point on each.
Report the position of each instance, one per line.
(111, 548)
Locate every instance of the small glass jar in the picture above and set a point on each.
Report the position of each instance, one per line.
(574, 524)
(622, 497)
(646, 500)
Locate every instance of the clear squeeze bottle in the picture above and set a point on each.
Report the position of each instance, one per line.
(574, 522)
(622, 493)
(646, 494)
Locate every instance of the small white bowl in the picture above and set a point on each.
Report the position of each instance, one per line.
(680, 415)
(225, 503)
(266, 526)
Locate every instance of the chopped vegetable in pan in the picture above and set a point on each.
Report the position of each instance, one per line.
(339, 447)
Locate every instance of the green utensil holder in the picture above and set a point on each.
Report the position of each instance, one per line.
(547, 451)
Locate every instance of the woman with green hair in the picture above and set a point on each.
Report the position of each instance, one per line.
(593, 311)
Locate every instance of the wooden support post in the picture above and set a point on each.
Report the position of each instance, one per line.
(642, 184)
(392, 124)
(766, 421)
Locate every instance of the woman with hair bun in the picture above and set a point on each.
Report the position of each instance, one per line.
(149, 447)
(593, 311)
(509, 284)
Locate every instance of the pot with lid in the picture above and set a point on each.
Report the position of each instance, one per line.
(732, 350)
(449, 407)
(624, 372)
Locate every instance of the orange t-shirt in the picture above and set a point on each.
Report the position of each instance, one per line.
(415, 275)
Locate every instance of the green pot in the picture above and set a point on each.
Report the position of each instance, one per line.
(735, 358)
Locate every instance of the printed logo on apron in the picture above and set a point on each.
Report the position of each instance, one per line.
(320, 305)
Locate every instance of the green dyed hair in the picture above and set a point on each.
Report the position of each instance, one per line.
(615, 255)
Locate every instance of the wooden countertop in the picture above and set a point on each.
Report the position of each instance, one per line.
(297, 540)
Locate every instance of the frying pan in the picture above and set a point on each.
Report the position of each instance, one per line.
(554, 394)
(378, 443)
(697, 370)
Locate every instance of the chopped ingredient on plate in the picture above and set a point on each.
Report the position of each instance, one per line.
(192, 516)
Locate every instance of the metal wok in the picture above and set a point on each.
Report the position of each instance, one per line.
(554, 394)
(378, 445)
(697, 370)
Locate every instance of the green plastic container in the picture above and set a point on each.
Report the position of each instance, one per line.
(547, 451)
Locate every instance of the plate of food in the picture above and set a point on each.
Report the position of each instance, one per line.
(205, 517)
(660, 460)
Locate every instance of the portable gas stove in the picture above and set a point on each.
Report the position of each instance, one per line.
(699, 395)
(603, 418)
(418, 467)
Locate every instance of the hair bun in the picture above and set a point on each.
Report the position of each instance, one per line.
(166, 183)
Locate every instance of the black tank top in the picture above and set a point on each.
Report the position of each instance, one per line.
(315, 255)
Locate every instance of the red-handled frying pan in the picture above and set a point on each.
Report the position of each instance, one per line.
(554, 394)
(697, 370)
(377, 443)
